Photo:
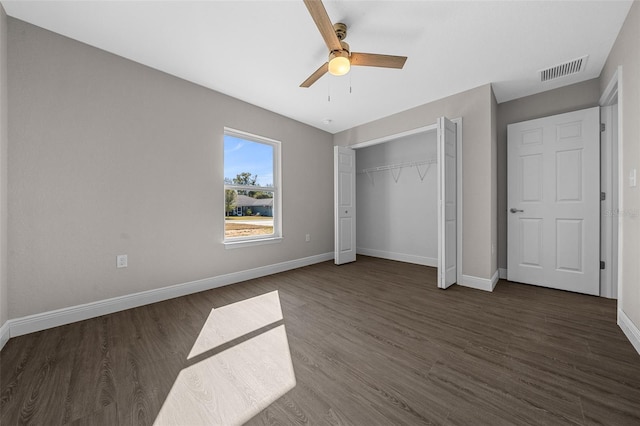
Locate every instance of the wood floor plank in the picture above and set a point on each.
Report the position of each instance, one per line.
(105, 416)
(371, 342)
(46, 378)
(92, 383)
(142, 387)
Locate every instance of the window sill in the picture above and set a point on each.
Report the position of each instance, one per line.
(248, 243)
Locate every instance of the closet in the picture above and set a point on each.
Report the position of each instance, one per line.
(396, 197)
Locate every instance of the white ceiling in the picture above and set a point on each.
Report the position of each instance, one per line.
(260, 51)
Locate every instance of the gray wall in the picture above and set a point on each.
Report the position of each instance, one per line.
(110, 157)
(474, 106)
(4, 301)
(557, 101)
(398, 220)
(626, 52)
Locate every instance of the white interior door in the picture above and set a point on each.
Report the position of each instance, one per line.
(554, 201)
(447, 210)
(344, 204)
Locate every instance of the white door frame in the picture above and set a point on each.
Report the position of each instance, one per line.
(434, 127)
(609, 206)
(613, 94)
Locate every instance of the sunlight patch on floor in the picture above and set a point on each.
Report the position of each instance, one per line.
(230, 386)
(236, 320)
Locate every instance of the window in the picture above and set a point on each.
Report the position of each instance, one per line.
(251, 189)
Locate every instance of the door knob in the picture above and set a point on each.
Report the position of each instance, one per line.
(514, 210)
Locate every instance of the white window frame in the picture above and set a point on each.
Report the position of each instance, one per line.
(276, 189)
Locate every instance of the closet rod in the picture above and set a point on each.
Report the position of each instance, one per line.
(397, 166)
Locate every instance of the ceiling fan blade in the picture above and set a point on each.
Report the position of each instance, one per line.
(321, 18)
(316, 75)
(375, 60)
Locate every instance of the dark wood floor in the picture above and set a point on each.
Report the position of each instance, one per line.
(374, 342)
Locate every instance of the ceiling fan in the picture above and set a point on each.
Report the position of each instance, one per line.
(340, 57)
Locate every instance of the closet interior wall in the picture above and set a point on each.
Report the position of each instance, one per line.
(396, 196)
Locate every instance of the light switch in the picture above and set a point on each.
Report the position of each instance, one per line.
(633, 178)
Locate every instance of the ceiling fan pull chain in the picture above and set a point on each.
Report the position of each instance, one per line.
(329, 90)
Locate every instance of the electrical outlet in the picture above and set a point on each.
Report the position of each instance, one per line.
(121, 261)
(307, 237)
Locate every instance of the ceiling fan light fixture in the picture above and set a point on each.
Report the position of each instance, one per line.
(339, 63)
(340, 56)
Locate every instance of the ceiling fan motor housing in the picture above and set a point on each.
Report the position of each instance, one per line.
(341, 30)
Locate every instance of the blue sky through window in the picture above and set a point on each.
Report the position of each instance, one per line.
(241, 155)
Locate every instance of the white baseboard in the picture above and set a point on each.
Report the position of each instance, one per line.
(502, 273)
(37, 322)
(409, 258)
(494, 279)
(629, 329)
(5, 333)
(480, 283)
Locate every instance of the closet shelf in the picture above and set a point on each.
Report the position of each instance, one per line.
(397, 166)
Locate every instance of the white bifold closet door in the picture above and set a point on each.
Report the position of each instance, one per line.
(344, 204)
(447, 206)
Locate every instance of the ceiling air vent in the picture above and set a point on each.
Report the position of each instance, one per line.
(565, 69)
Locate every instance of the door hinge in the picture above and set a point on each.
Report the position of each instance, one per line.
(602, 264)
(603, 196)
(602, 127)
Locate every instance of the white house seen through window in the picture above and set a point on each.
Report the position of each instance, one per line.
(251, 187)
